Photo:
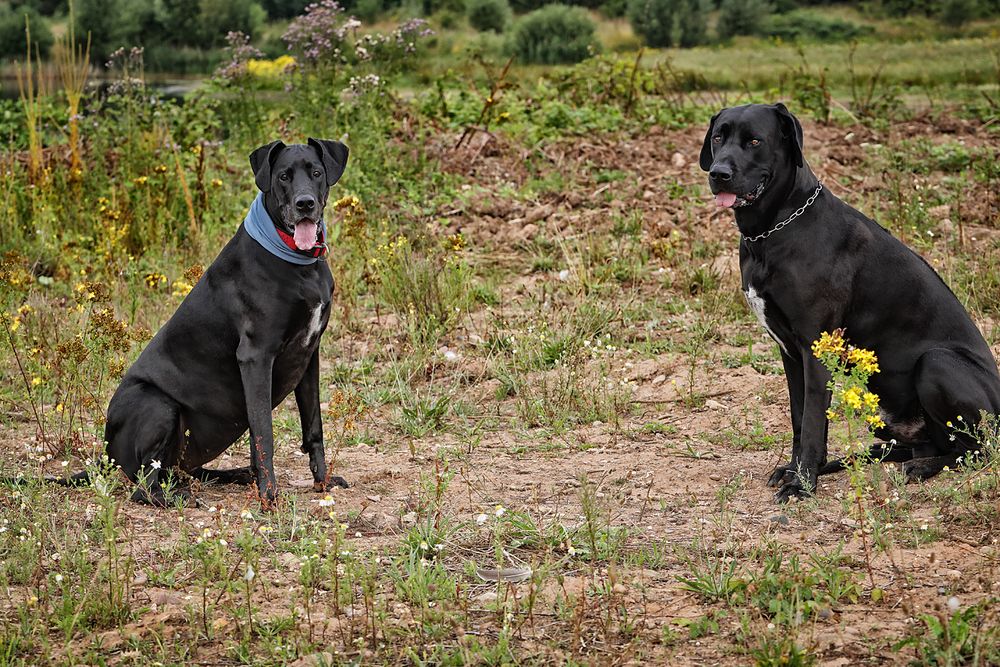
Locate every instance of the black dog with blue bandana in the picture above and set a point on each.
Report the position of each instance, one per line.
(244, 338)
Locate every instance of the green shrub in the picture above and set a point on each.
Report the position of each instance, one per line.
(489, 14)
(614, 8)
(554, 34)
(434, 6)
(742, 17)
(654, 20)
(799, 25)
(369, 10)
(956, 13)
(12, 40)
(904, 7)
(663, 23)
(692, 22)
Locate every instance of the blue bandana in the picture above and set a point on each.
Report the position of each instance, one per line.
(277, 242)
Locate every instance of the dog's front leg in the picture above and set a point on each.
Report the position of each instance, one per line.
(794, 378)
(307, 398)
(255, 368)
(800, 478)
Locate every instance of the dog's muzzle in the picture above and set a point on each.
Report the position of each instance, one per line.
(732, 200)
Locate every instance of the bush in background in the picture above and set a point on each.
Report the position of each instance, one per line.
(742, 17)
(663, 23)
(489, 14)
(653, 20)
(692, 22)
(956, 13)
(800, 25)
(12, 37)
(554, 34)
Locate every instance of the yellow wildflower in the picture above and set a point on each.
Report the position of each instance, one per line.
(875, 421)
(870, 400)
(852, 396)
(829, 343)
(270, 69)
(864, 359)
(347, 201)
(155, 280)
(455, 242)
(182, 288)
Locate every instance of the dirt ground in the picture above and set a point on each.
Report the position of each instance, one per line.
(680, 470)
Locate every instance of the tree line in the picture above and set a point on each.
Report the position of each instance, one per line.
(168, 28)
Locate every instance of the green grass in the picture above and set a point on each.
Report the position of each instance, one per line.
(959, 67)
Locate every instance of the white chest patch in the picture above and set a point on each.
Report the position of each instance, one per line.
(757, 305)
(314, 325)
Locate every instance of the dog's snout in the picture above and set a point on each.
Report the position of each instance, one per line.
(721, 172)
(305, 203)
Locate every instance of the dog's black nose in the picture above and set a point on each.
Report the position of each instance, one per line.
(721, 172)
(305, 203)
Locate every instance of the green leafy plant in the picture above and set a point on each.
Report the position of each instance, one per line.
(554, 34)
(958, 636)
(486, 15)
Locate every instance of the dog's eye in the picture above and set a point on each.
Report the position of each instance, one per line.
(317, 173)
(717, 139)
(283, 176)
(755, 142)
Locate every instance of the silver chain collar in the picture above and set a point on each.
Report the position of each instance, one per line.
(784, 223)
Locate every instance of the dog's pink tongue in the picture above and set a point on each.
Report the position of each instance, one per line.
(305, 235)
(723, 199)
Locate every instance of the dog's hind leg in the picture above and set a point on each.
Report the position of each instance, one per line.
(244, 475)
(952, 389)
(880, 451)
(144, 436)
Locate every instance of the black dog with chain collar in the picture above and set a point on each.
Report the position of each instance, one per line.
(836, 268)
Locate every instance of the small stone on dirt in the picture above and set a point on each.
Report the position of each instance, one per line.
(779, 519)
(487, 597)
(529, 231)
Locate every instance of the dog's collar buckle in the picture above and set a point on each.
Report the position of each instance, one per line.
(784, 223)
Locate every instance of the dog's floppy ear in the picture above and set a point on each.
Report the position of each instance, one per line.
(791, 130)
(261, 161)
(334, 155)
(705, 161)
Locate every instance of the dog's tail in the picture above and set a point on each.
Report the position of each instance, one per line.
(881, 451)
(81, 478)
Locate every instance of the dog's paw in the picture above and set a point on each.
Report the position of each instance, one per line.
(268, 502)
(781, 475)
(331, 481)
(789, 490)
(917, 470)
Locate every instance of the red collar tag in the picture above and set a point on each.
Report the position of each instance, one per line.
(318, 250)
